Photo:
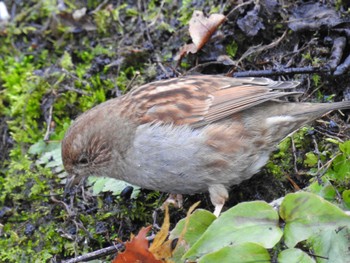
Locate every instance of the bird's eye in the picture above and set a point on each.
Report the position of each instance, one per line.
(83, 160)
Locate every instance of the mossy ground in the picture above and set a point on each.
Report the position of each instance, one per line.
(53, 67)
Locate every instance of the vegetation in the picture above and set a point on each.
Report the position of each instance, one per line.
(57, 61)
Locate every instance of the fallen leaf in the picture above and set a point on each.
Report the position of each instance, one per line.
(159, 248)
(137, 250)
(163, 249)
(201, 28)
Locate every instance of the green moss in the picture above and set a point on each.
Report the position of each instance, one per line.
(45, 66)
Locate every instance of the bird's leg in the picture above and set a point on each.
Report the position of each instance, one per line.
(218, 209)
(174, 199)
(218, 196)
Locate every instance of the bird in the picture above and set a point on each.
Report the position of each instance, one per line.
(186, 135)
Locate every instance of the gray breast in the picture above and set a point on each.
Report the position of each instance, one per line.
(168, 158)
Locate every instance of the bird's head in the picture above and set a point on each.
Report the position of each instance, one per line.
(85, 151)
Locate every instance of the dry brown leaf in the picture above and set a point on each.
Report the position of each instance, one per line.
(201, 28)
(160, 248)
(137, 250)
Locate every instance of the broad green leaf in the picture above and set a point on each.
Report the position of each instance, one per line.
(246, 222)
(294, 255)
(51, 156)
(325, 190)
(43, 147)
(37, 148)
(199, 221)
(307, 214)
(332, 245)
(107, 184)
(242, 253)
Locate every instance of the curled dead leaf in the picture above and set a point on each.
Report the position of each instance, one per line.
(201, 28)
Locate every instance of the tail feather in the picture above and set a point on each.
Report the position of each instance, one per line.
(319, 109)
(289, 117)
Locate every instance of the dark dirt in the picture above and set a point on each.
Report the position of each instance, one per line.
(311, 28)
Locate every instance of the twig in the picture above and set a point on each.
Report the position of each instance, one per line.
(319, 162)
(100, 6)
(260, 48)
(294, 184)
(237, 7)
(66, 87)
(96, 254)
(157, 15)
(69, 211)
(313, 91)
(160, 64)
(281, 71)
(137, 74)
(48, 123)
(328, 133)
(294, 156)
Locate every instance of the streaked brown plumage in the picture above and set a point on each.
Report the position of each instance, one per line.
(187, 135)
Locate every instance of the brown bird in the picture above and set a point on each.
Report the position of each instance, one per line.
(187, 135)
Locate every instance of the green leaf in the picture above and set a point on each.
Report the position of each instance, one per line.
(231, 49)
(307, 214)
(311, 159)
(340, 168)
(332, 244)
(246, 222)
(294, 255)
(346, 198)
(242, 253)
(50, 155)
(345, 147)
(285, 144)
(107, 184)
(51, 158)
(66, 61)
(325, 190)
(199, 221)
(37, 148)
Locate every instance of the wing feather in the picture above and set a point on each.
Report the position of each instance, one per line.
(202, 99)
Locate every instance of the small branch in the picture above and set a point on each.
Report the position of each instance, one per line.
(67, 88)
(260, 48)
(48, 123)
(228, 16)
(294, 156)
(129, 86)
(96, 254)
(337, 52)
(282, 71)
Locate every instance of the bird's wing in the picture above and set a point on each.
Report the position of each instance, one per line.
(201, 99)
